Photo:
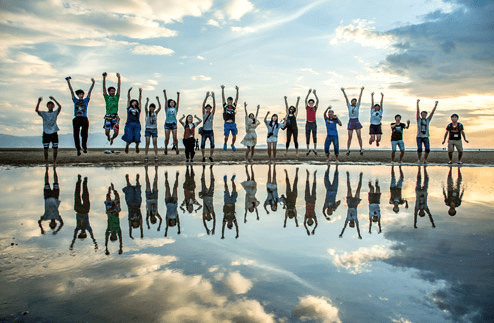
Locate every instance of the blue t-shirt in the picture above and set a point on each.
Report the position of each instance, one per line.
(331, 125)
(273, 128)
(80, 107)
(133, 115)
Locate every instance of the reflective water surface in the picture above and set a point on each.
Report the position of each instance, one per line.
(282, 243)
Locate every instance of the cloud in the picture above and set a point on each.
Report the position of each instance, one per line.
(200, 78)
(236, 9)
(316, 309)
(449, 54)
(200, 58)
(151, 50)
(237, 283)
(245, 262)
(363, 32)
(356, 261)
(213, 22)
(310, 70)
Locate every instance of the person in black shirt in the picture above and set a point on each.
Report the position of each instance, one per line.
(455, 131)
(397, 137)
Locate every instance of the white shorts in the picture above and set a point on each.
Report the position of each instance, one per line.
(272, 139)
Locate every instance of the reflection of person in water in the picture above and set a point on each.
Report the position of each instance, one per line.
(374, 205)
(171, 202)
(453, 197)
(310, 204)
(133, 198)
(352, 203)
(190, 192)
(250, 187)
(207, 194)
(395, 191)
(152, 199)
(330, 204)
(51, 203)
(113, 230)
(272, 189)
(229, 218)
(81, 207)
(290, 200)
(421, 207)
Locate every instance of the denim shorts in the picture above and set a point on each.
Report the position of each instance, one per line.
(170, 125)
(230, 127)
(151, 133)
(398, 143)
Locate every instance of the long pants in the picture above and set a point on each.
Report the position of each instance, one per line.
(289, 133)
(189, 144)
(332, 139)
(81, 206)
(77, 124)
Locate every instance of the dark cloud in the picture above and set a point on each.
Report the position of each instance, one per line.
(449, 54)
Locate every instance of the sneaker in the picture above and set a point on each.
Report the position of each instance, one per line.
(166, 150)
(315, 152)
(84, 151)
(78, 153)
(224, 147)
(225, 178)
(450, 162)
(233, 148)
(233, 177)
(348, 152)
(203, 159)
(211, 159)
(361, 152)
(146, 160)
(308, 152)
(460, 162)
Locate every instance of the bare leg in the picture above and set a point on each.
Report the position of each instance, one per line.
(402, 153)
(167, 140)
(393, 156)
(175, 139)
(349, 141)
(45, 152)
(252, 153)
(378, 140)
(359, 137)
(146, 149)
(269, 151)
(55, 153)
(155, 146)
(371, 139)
(274, 151)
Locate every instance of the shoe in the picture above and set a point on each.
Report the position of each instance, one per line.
(460, 163)
(84, 151)
(166, 150)
(361, 152)
(348, 152)
(146, 159)
(233, 177)
(156, 159)
(224, 147)
(315, 152)
(78, 153)
(137, 150)
(450, 162)
(211, 159)
(176, 151)
(233, 148)
(203, 159)
(225, 178)
(308, 152)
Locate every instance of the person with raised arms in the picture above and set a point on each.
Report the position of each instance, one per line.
(250, 138)
(50, 128)
(353, 122)
(171, 110)
(331, 120)
(291, 125)
(376, 115)
(229, 111)
(132, 130)
(423, 122)
(112, 119)
(151, 129)
(311, 122)
(206, 131)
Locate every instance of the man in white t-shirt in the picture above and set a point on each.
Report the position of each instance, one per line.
(50, 127)
(423, 122)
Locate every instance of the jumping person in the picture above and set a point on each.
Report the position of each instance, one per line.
(291, 125)
(331, 121)
(311, 122)
(52, 203)
(81, 207)
(207, 132)
(397, 137)
(250, 139)
(374, 198)
(273, 129)
(152, 212)
(133, 199)
(330, 204)
(456, 132)
(171, 202)
(113, 229)
(353, 122)
(80, 123)
(250, 187)
(189, 135)
(310, 204)
(376, 115)
(423, 122)
(171, 110)
(151, 129)
(229, 218)
(229, 110)
(132, 130)
(50, 128)
(352, 202)
(290, 199)
(112, 119)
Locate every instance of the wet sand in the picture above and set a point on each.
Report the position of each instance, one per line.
(97, 157)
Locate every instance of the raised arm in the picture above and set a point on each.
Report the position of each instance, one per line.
(257, 111)
(296, 106)
(245, 109)
(372, 101)
(37, 105)
(159, 104)
(326, 113)
(119, 83)
(182, 120)
(360, 96)
(344, 93)
(418, 109)
(204, 103)
(70, 86)
(223, 94)
(382, 100)
(266, 117)
(307, 97)
(199, 120)
(317, 99)
(166, 99)
(128, 97)
(178, 100)
(433, 110)
(58, 104)
(140, 98)
(214, 103)
(286, 104)
(104, 83)
(236, 96)
(146, 108)
(90, 88)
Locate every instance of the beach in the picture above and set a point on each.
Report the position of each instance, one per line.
(97, 157)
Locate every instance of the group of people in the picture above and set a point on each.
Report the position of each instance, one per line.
(132, 131)
(453, 194)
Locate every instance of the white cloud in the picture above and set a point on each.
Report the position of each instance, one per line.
(200, 58)
(356, 261)
(200, 78)
(152, 50)
(316, 309)
(235, 9)
(310, 70)
(245, 262)
(363, 32)
(238, 283)
(213, 22)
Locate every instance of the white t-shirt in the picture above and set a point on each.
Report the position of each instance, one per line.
(353, 111)
(49, 121)
(376, 117)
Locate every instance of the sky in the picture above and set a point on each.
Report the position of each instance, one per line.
(428, 49)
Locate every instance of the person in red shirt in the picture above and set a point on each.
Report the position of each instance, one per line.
(311, 124)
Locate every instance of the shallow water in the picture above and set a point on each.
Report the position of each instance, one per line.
(279, 269)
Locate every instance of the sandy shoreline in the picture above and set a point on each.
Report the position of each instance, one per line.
(97, 157)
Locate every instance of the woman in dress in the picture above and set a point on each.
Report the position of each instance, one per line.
(250, 139)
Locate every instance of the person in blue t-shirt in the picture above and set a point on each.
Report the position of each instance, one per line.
(80, 123)
(331, 121)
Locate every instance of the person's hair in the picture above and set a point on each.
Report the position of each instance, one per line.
(424, 112)
(50, 103)
(170, 101)
(111, 88)
(377, 105)
(152, 105)
(455, 115)
(351, 224)
(132, 101)
(113, 236)
(452, 212)
(253, 120)
(397, 116)
(229, 98)
(311, 100)
(271, 122)
(79, 92)
(208, 106)
(187, 119)
(353, 99)
(292, 108)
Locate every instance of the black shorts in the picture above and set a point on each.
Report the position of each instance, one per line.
(50, 138)
(375, 129)
(48, 192)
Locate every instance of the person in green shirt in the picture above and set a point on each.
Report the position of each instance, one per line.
(111, 117)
